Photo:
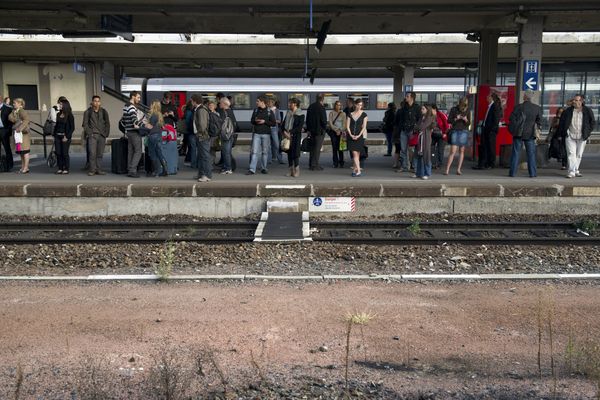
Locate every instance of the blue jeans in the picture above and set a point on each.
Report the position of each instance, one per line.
(261, 146)
(388, 139)
(204, 158)
(275, 153)
(404, 135)
(226, 146)
(516, 150)
(193, 150)
(154, 151)
(422, 169)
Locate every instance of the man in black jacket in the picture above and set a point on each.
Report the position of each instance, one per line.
(262, 120)
(316, 125)
(489, 130)
(407, 117)
(169, 110)
(533, 118)
(576, 125)
(5, 133)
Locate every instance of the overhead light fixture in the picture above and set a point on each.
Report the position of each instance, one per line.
(322, 35)
(473, 37)
(520, 19)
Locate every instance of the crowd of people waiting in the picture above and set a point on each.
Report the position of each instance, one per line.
(417, 134)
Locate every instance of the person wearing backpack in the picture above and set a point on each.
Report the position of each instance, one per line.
(575, 126)
(200, 125)
(228, 129)
(523, 123)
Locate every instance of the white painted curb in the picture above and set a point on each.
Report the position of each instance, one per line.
(372, 277)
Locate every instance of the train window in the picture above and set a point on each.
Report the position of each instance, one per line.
(574, 84)
(303, 97)
(592, 93)
(422, 98)
(445, 101)
(209, 97)
(363, 96)
(552, 97)
(241, 100)
(383, 99)
(330, 99)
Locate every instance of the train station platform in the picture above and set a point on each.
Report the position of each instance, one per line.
(380, 191)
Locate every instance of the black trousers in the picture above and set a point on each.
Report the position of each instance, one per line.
(5, 142)
(294, 151)
(315, 151)
(437, 146)
(338, 156)
(487, 150)
(62, 153)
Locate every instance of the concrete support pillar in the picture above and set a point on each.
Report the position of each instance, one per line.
(403, 76)
(530, 50)
(488, 57)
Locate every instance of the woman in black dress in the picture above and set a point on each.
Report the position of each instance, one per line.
(356, 126)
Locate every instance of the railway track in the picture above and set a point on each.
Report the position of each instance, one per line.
(525, 233)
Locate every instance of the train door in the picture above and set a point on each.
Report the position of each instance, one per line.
(179, 99)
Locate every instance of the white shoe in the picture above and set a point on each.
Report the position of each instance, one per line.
(570, 175)
(424, 178)
(577, 174)
(203, 179)
(414, 176)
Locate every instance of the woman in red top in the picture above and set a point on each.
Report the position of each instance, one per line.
(439, 137)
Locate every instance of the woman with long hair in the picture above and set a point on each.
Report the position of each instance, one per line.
(63, 132)
(154, 128)
(459, 134)
(423, 147)
(20, 121)
(356, 128)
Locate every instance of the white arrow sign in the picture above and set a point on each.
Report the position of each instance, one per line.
(531, 83)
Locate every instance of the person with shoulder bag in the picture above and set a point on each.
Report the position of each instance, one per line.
(292, 131)
(335, 129)
(227, 131)
(20, 127)
(154, 127)
(63, 133)
(96, 127)
(201, 122)
(525, 134)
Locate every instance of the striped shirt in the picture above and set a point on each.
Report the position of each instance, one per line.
(130, 116)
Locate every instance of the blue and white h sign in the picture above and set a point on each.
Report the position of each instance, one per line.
(531, 74)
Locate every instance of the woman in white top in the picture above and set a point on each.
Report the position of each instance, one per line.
(335, 129)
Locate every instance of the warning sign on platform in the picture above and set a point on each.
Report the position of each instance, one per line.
(331, 204)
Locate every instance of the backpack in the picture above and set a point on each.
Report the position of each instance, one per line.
(227, 129)
(122, 126)
(516, 123)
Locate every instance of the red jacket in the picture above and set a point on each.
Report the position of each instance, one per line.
(442, 121)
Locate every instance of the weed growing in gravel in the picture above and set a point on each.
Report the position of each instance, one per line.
(165, 264)
(18, 382)
(92, 380)
(415, 227)
(545, 312)
(169, 378)
(587, 225)
(583, 357)
(360, 319)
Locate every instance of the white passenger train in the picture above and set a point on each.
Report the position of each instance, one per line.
(376, 93)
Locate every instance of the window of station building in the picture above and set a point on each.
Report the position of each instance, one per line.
(363, 96)
(330, 99)
(552, 96)
(304, 99)
(241, 100)
(445, 101)
(592, 94)
(383, 99)
(26, 92)
(574, 83)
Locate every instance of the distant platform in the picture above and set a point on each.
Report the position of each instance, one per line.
(380, 191)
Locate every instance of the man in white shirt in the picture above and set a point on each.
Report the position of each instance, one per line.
(576, 125)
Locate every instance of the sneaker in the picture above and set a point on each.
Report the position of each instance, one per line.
(424, 178)
(264, 171)
(228, 172)
(250, 172)
(414, 176)
(203, 179)
(577, 174)
(136, 175)
(571, 175)
(91, 173)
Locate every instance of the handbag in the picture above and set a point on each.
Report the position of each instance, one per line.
(413, 140)
(343, 143)
(285, 145)
(49, 127)
(306, 144)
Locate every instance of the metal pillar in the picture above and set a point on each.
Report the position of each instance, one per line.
(530, 50)
(488, 57)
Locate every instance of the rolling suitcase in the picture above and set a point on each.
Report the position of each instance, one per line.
(118, 156)
(169, 150)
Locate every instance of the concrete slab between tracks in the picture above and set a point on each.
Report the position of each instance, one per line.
(221, 207)
(313, 278)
